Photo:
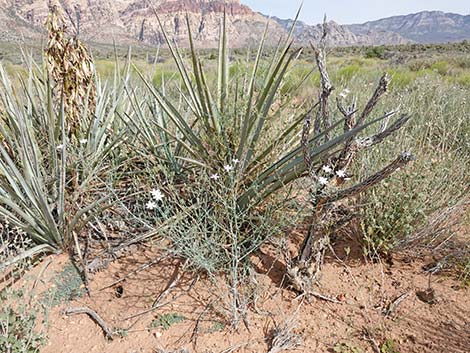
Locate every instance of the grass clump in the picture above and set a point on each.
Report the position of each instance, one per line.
(18, 324)
(396, 211)
(389, 346)
(378, 52)
(347, 348)
(67, 286)
(165, 321)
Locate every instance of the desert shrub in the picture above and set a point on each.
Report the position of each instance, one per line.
(462, 62)
(462, 79)
(207, 227)
(349, 71)
(13, 242)
(68, 285)
(375, 52)
(396, 210)
(442, 67)
(438, 179)
(165, 321)
(19, 331)
(402, 78)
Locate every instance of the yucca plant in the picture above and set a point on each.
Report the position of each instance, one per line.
(238, 126)
(55, 157)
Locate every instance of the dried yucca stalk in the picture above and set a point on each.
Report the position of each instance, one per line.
(70, 66)
(329, 216)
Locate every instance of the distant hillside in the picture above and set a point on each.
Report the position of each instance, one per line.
(134, 21)
(422, 27)
(339, 35)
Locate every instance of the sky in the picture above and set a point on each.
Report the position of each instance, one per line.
(353, 11)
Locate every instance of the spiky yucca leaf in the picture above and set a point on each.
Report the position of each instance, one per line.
(210, 135)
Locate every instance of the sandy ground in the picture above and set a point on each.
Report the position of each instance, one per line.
(378, 302)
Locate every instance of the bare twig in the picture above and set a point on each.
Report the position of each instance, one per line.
(385, 132)
(378, 93)
(348, 153)
(370, 338)
(393, 306)
(323, 116)
(349, 114)
(104, 326)
(398, 163)
(323, 297)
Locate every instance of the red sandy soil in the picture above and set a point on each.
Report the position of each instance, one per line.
(365, 291)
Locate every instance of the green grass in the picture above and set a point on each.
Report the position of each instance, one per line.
(165, 321)
(67, 286)
(19, 318)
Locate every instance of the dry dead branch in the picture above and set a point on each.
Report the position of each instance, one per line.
(109, 332)
(304, 270)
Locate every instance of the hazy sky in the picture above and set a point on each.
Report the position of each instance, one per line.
(353, 11)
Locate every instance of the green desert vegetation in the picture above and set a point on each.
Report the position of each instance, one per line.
(218, 153)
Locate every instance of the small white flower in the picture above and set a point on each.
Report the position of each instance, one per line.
(323, 180)
(83, 141)
(327, 169)
(228, 168)
(60, 147)
(344, 93)
(341, 174)
(215, 176)
(151, 205)
(235, 161)
(157, 195)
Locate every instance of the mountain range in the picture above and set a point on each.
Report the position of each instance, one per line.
(134, 21)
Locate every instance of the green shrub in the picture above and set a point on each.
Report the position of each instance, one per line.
(375, 52)
(463, 79)
(346, 73)
(165, 321)
(442, 67)
(18, 324)
(68, 285)
(389, 346)
(398, 209)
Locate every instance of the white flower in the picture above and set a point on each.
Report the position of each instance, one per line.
(327, 169)
(215, 176)
(60, 147)
(341, 174)
(83, 141)
(157, 195)
(235, 161)
(228, 168)
(323, 180)
(344, 93)
(151, 205)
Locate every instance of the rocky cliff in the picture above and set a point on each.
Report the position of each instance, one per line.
(422, 27)
(133, 21)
